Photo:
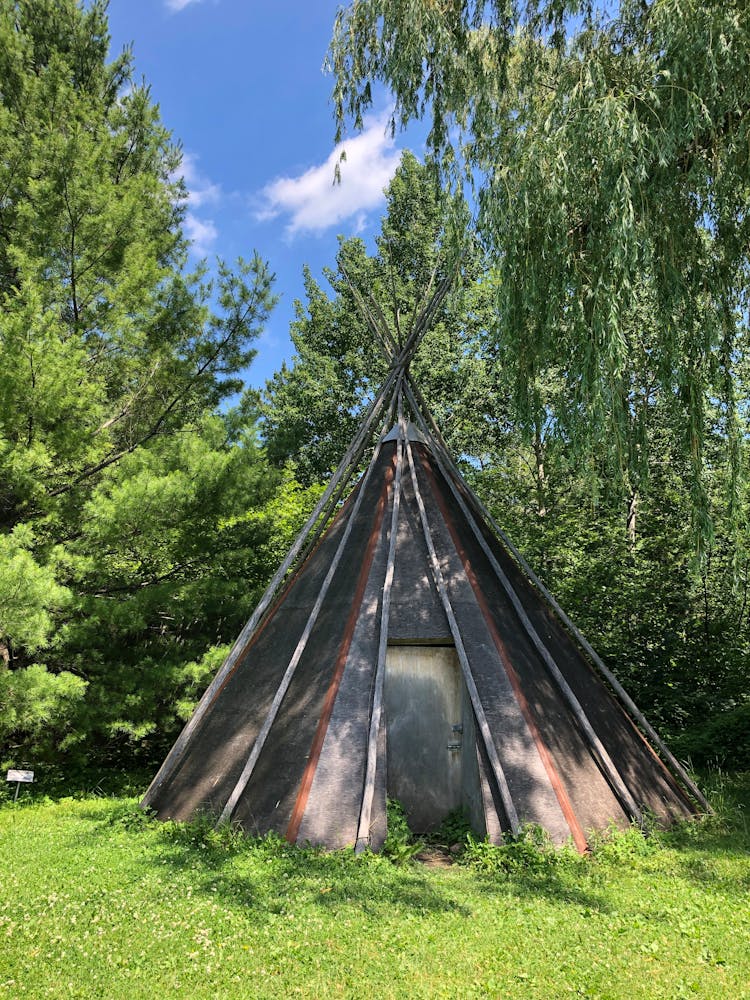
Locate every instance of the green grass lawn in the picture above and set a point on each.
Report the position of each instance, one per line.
(96, 901)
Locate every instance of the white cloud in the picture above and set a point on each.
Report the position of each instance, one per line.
(179, 4)
(313, 202)
(201, 191)
(202, 233)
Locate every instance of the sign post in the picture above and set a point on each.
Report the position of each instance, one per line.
(20, 777)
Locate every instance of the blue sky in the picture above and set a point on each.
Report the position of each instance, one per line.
(240, 84)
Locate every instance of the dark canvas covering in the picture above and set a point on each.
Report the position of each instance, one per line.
(571, 757)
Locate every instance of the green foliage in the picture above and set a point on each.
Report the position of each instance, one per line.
(400, 844)
(722, 741)
(311, 410)
(608, 149)
(122, 906)
(190, 533)
(674, 631)
(130, 816)
(623, 847)
(136, 523)
(35, 704)
(454, 829)
(28, 593)
(529, 852)
(729, 795)
(203, 832)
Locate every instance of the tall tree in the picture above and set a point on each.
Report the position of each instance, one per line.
(311, 409)
(609, 150)
(117, 478)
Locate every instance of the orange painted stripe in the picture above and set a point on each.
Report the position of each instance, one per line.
(316, 748)
(275, 605)
(670, 778)
(579, 838)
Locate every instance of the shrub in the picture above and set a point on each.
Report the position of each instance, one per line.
(723, 740)
(400, 844)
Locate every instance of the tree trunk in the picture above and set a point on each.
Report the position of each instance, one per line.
(541, 476)
(632, 517)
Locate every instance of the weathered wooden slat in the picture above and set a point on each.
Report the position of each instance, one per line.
(262, 736)
(316, 748)
(528, 713)
(363, 829)
(333, 503)
(596, 746)
(497, 769)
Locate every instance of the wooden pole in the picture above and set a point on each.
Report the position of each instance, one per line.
(677, 769)
(497, 769)
(365, 817)
(286, 680)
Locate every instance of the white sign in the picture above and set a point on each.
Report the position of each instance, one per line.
(20, 775)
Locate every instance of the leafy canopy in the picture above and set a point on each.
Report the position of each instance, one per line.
(609, 151)
(310, 410)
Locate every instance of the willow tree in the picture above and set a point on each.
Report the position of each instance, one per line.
(608, 148)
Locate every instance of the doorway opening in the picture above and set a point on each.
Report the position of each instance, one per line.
(430, 736)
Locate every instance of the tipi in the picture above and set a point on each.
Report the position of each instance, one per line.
(405, 649)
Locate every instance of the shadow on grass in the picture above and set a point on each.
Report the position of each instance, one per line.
(266, 873)
(563, 887)
(273, 877)
(703, 855)
(702, 847)
(338, 879)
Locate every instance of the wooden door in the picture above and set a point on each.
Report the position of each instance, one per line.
(424, 708)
